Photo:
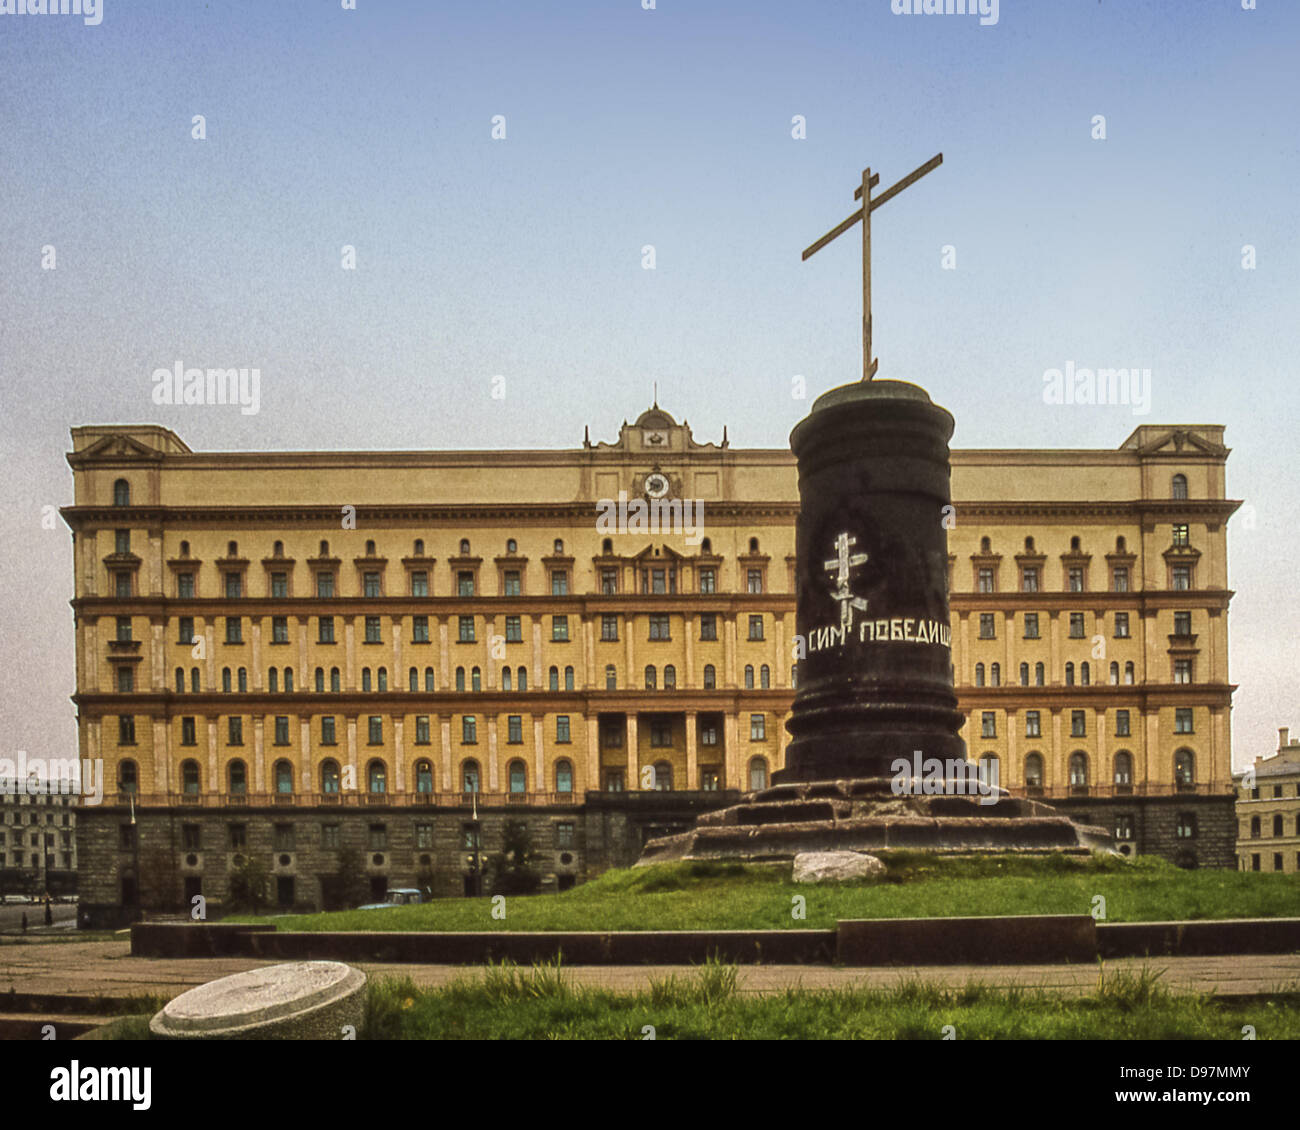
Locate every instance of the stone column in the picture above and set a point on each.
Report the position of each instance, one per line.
(730, 754)
(588, 652)
(692, 759)
(256, 673)
(259, 753)
(490, 662)
(494, 777)
(633, 757)
(214, 778)
(399, 755)
(688, 634)
(633, 680)
(352, 751)
(349, 656)
(538, 680)
(444, 659)
(729, 649)
(592, 725)
(449, 782)
(539, 755)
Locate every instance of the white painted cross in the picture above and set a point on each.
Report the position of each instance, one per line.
(841, 566)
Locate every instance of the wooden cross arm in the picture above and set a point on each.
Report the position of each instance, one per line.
(876, 202)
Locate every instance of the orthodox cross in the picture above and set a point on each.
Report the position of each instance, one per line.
(863, 193)
(841, 565)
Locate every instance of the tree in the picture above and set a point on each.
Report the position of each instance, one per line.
(512, 870)
(350, 879)
(250, 884)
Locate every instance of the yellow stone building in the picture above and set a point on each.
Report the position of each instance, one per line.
(600, 639)
(1268, 807)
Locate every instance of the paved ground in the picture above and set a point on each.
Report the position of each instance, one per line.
(11, 916)
(106, 968)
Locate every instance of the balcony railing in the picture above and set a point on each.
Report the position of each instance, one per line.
(464, 801)
(1062, 792)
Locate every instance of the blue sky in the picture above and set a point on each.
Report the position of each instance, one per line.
(626, 127)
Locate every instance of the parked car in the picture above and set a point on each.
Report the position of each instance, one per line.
(397, 896)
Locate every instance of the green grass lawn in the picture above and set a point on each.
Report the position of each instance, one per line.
(733, 896)
(513, 1004)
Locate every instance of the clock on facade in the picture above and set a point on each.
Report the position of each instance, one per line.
(656, 484)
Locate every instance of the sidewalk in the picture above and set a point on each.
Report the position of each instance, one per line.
(105, 968)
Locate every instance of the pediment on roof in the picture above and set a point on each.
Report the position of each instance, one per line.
(115, 448)
(1181, 441)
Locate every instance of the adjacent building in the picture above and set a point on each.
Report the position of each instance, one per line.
(1268, 810)
(355, 667)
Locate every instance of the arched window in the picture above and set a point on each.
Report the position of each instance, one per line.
(512, 547)
(428, 679)
(272, 680)
(1123, 768)
(1039, 674)
(243, 680)
(1184, 767)
(329, 777)
(121, 493)
(1178, 487)
(180, 680)
(370, 548)
(464, 547)
(1279, 828)
(757, 773)
(1029, 545)
(1074, 544)
(128, 776)
(1024, 674)
(564, 776)
(1034, 770)
(324, 549)
(236, 777)
(320, 680)
(277, 549)
(460, 679)
(377, 777)
(518, 777)
(1128, 673)
(1069, 674)
(986, 545)
(190, 777)
(506, 678)
(1114, 673)
(225, 680)
(365, 678)
(663, 777)
(475, 679)
(710, 677)
(1254, 827)
(611, 677)
(651, 679)
(469, 776)
(559, 547)
(765, 677)
(749, 676)
(383, 678)
(419, 548)
(553, 679)
(1121, 546)
(232, 549)
(753, 545)
(185, 549)
(194, 680)
(990, 770)
(336, 682)
(995, 674)
(283, 777)
(670, 677)
(424, 776)
(607, 547)
(1078, 769)
(979, 674)
(1085, 674)
(521, 679)
(568, 678)
(706, 547)
(413, 679)
(288, 680)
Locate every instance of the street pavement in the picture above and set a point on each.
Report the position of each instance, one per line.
(106, 968)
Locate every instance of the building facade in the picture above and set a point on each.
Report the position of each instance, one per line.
(38, 840)
(381, 657)
(1268, 810)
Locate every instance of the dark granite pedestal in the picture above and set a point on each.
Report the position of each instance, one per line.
(875, 679)
(869, 815)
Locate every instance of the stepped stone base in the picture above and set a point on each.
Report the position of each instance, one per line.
(867, 815)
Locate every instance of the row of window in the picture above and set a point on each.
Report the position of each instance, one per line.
(238, 678)
(990, 765)
(1277, 861)
(285, 836)
(988, 622)
(1182, 673)
(1184, 718)
(1279, 826)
